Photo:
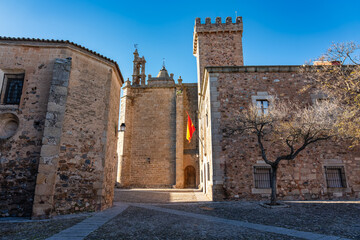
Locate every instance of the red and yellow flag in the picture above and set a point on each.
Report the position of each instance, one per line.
(190, 129)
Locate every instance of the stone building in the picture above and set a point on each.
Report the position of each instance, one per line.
(153, 150)
(58, 128)
(61, 152)
(232, 166)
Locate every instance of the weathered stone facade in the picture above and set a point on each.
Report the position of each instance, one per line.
(153, 151)
(62, 156)
(215, 44)
(227, 163)
(60, 149)
(302, 178)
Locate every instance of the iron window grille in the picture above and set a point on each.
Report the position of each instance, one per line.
(262, 177)
(14, 85)
(335, 177)
(262, 106)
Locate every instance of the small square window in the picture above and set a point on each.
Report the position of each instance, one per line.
(12, 89)
(262, 106)
(335, 177)
(262, 177)
(321, 100)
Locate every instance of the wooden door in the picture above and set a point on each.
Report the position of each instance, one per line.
(190, 177)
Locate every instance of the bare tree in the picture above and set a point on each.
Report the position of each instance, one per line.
(338, 74)
(287, 127)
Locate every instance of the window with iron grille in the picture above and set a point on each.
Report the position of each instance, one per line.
(262, 177)
(12, 88)
(262, 106)
(335, 177)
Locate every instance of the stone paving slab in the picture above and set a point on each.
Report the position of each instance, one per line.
(188, 214)
(12, 229)
(145, 224)
(259, 227)
(336, 219)
(84, 228)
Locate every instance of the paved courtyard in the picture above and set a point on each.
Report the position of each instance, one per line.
(187, 214)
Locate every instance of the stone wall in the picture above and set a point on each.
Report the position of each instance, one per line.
(111, 155)
(302, 178)
(153, 136)
(20, 154)
(153, 151)
(67, 117)
(125, 137)
(87, 154)
(209, 119)
(191, 150)
(180, 113)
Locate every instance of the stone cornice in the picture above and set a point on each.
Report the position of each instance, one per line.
(235, 69)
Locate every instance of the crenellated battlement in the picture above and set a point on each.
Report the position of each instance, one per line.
(216, 27)
(217, 43)
(228, 20)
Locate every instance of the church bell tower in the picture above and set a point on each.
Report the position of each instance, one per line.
(138, 76)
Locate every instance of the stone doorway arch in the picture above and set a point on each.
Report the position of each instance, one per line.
(190, 177)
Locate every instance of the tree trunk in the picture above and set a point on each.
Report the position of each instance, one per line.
(273, 184)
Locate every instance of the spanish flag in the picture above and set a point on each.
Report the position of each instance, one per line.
(190, 129)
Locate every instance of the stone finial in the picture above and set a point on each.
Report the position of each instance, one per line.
(171, 75)
(207, 20)
(149, 76)
(127, 82)
(197, 21)
(218, 20)
(180, 80)
(228, 20)
(239, 19)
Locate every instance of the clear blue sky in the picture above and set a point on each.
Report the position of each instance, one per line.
(275, 32)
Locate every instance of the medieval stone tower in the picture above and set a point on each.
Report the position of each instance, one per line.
(153, 151)
(215, 44)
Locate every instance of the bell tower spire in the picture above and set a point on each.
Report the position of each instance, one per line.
(138, 76)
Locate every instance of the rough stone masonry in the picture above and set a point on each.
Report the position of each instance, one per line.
(153, 151)
(229, 163)
(60, 150)
(58, 141)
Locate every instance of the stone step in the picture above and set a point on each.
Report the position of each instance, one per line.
(159, 195)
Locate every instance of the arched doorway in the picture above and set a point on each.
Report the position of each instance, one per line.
(190, 177)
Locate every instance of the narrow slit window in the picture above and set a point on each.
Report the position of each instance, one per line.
(208, 171)
(262, 177)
